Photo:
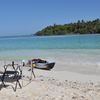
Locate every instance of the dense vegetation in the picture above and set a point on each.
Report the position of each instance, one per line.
(80, 27)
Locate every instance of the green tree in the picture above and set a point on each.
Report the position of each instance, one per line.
(80, 27)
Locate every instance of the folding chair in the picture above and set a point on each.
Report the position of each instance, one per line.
(13, 75)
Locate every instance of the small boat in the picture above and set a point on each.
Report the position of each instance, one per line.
(42, 64)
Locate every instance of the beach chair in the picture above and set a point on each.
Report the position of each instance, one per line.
(12, 75)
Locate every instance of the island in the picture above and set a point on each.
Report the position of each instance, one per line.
(79, 27)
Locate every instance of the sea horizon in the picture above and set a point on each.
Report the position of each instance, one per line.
(25, 35)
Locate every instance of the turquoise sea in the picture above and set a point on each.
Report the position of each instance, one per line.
(75, 53)
(26, 47)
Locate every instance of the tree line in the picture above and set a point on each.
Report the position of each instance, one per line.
(79, 27)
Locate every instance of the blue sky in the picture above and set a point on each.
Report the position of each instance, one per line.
(23, 17)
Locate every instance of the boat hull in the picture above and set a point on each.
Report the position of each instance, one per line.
(45, 66)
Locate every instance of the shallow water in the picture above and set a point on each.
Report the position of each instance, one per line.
(81, 52)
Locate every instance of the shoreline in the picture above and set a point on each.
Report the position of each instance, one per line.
(86, 62)
(65, 35)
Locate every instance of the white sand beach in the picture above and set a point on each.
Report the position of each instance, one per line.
(54, 85)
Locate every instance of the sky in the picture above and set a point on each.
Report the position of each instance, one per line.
(24, 17)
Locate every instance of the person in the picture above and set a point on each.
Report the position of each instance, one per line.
(23, 62)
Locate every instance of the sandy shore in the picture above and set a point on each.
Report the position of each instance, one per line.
(54, 85)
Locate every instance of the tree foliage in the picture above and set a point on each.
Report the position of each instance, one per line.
(80, 27)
